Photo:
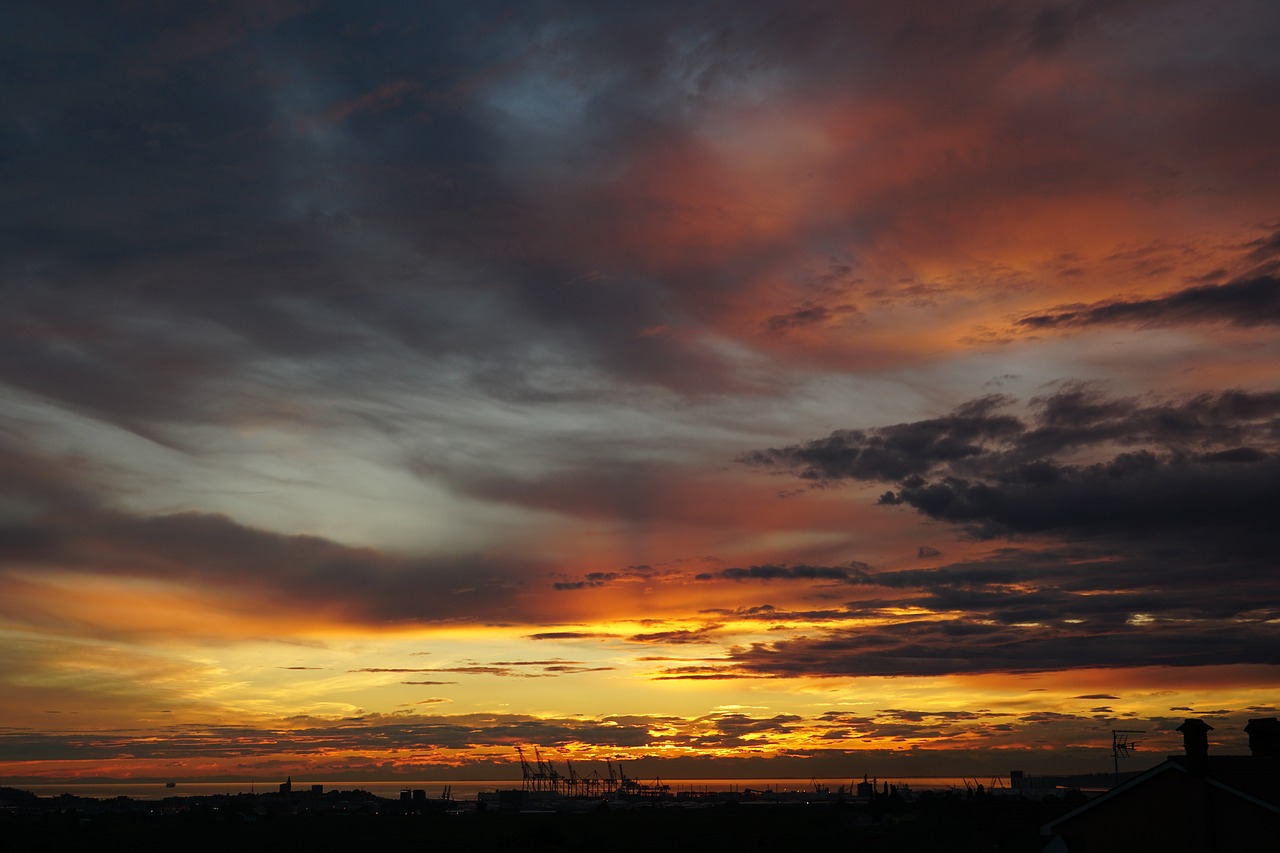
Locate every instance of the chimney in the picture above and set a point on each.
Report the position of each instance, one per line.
(1195, 740)
(1264, 737)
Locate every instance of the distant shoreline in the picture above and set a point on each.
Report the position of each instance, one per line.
(468, 789)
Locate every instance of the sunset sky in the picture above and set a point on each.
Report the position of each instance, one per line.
(803, 388)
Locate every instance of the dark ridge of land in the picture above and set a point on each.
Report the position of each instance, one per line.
(361, 821)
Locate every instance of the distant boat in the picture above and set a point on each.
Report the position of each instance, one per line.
(171, 784)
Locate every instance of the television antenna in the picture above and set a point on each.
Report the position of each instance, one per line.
(1121, 745)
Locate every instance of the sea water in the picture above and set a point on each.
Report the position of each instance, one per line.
(464, 789)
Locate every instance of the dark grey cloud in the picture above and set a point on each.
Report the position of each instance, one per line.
(777, 615)
(967, 646)
(592, 579)
(571, 635)
(1101, 587)
(895, 452)
(807, 314)
(1024, 609)
(1253, 301)
(1159, 553)
(628, 574)
(1264, 249)
(800, 572)
(741, 724)
(1054, 25)
(681, 636)
(192, 195)
(704, 674)
(1130, 495)
(1209, 461)
(188, 214)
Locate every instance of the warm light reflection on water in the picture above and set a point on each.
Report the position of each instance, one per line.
(466, 789)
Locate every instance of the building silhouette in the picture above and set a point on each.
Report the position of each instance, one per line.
(1194, 801)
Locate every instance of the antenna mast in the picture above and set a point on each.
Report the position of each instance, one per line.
(1121, 745)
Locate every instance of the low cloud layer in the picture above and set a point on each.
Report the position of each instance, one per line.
(835, 742)
(1081, 460)
(1160, 515)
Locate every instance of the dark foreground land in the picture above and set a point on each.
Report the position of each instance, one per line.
(932, 823)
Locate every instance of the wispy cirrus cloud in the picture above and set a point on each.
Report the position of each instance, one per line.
(572, 635)
(428, 683)
(523, 668)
